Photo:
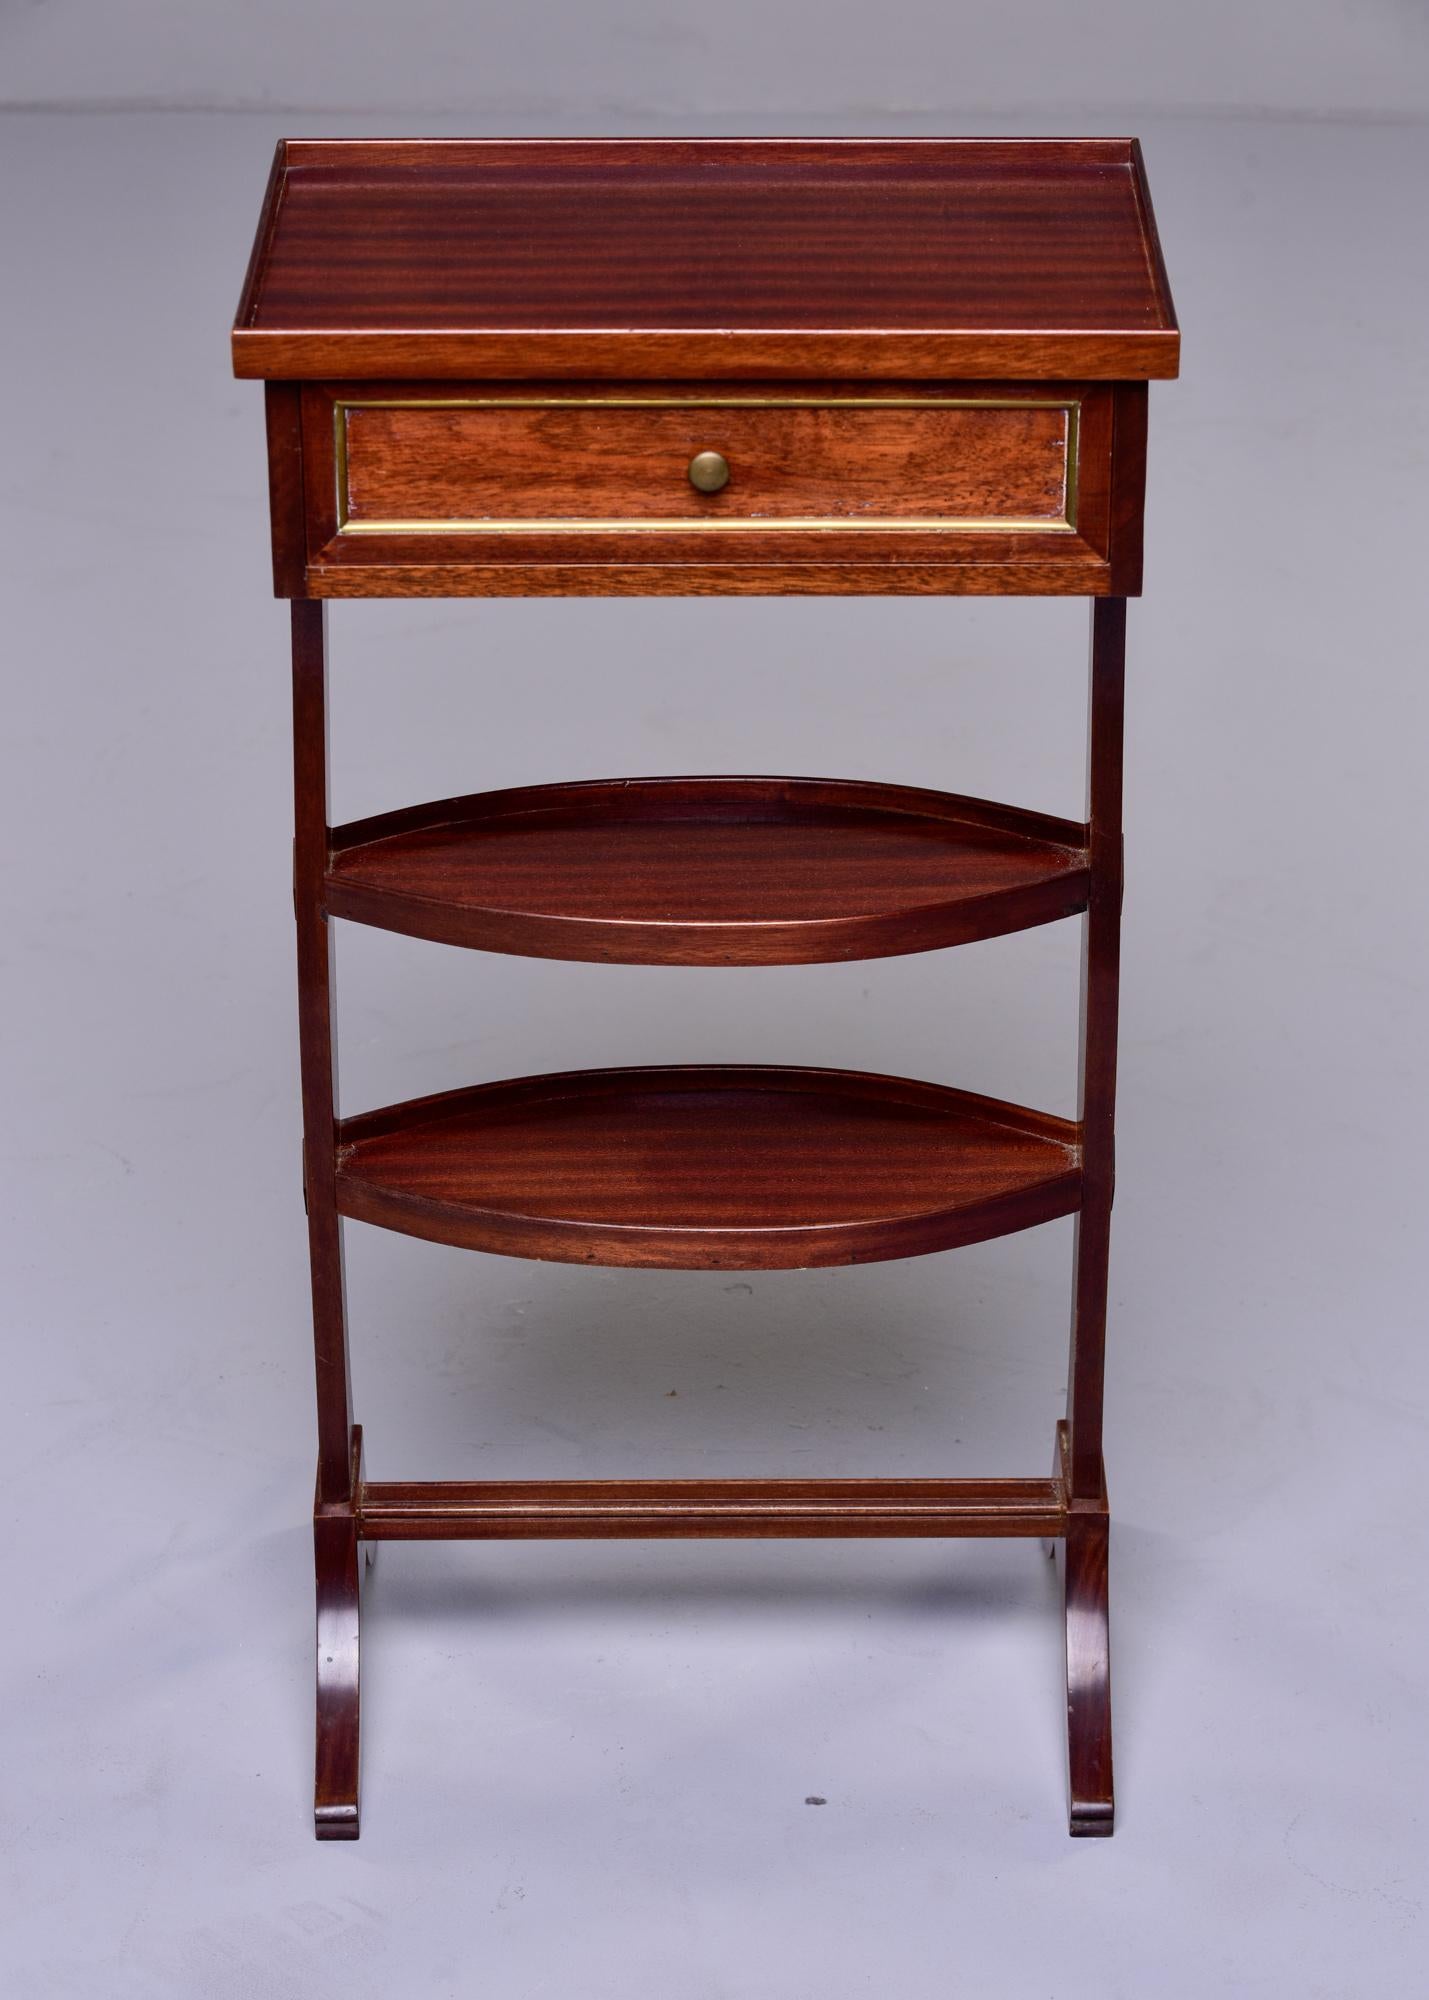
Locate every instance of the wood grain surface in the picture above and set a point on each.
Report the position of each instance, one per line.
(338, 1735)
(316, 1045)
(409, 463)
(708, 871)
(1016, 258)
(584, 1509)
(489, 363)
(868, 457)
(1068, 571)
(708, 1168)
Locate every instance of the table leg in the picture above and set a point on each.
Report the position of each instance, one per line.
(339, 1440)
(1085, 1547)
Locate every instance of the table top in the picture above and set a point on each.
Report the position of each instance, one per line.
(707, 257)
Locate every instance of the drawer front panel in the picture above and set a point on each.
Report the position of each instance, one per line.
(619, 463)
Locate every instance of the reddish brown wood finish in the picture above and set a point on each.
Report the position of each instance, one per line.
(1101, 974)
(1026, 573)
(339, 1617)
(1087, 1530)
(317, 1049)
(286, 500)
(707, 1168)
(644, 1509)
(877, 457)
(708, 871)
(1091, 1808)
(1128, 490)
(1020, 258)
(566, 458)
(1086, 1534)
(591, 313)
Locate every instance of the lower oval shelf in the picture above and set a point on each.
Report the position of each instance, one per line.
(708, 1168)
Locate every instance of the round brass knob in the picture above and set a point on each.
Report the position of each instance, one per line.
(709, 471)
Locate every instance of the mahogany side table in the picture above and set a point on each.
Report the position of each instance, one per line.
(694, 367)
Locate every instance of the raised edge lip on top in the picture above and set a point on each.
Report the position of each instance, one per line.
(298, 350)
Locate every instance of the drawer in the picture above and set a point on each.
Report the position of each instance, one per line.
(743, 480)
(610, 463)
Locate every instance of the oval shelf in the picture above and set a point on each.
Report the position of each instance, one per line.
(708, 871)
(717, 1168)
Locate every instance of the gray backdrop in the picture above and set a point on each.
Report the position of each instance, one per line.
(586, 1766)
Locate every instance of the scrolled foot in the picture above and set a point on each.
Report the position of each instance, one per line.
(337, 1822)
(335, 1800)
(1091, 1819)
(1089, 1765)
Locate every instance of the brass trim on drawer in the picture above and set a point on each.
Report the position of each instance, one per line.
(678, 524)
